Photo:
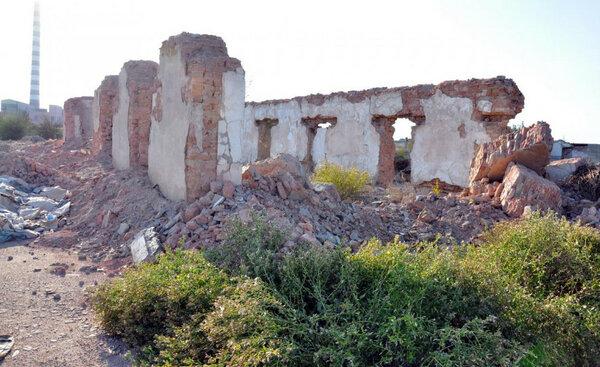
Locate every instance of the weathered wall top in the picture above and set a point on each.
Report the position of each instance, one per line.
(496, 99)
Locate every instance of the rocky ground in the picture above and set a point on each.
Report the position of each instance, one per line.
(44, 308)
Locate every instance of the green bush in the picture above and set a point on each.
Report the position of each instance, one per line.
(152, 299)
(48, 130)
(529, 296)
(250, 249)
(14, 127)
(349, 182)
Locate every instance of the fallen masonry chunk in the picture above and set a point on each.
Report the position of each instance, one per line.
(272, 167)
(558, 171)
(530, 147)
(523, 187)
(145, 246)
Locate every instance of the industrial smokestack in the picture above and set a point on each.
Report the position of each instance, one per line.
(34, 92)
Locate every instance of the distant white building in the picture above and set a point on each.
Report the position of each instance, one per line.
(562, 149)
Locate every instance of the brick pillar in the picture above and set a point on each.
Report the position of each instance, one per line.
(387, 150)
(104, 108)
(184, 137)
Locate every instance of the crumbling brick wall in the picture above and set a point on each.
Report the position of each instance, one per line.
(451, 118)
(77, 125)
(103, 111)
(201, 129)
(131, 122)
(197, 106)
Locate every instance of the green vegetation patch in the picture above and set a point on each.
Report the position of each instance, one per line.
(529, 296)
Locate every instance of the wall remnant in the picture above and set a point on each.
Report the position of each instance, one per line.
(103, 111)
(197, 113)
(451, 118)
(131, 122)
(202, 130)
(77, 125)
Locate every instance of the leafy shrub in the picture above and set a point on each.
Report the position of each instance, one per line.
(48, 130)
(152, 299)
(530, 296)
(14, 127)
(349, 182)
(547, 272)
(251, 249)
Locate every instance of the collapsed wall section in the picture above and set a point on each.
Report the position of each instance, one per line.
(355, 128)
(131, 122)
(197, 114)
(103, 111)
(77, 125)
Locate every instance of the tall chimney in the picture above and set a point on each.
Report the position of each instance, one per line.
(34, 92)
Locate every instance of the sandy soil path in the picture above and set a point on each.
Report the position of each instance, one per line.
(43, 307)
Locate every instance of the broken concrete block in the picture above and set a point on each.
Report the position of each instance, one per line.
(123, 228)
(558, 171)
(55, 193)
(145, 246)
(523, 187)
(41, 202)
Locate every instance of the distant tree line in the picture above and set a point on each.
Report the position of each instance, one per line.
(17, 126)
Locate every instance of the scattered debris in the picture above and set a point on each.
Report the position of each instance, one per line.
(145, 246)
(6, 344)
(26, 212)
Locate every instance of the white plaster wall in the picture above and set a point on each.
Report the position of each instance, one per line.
(86, 121)
(438, 150)
(96, 112)
(353, 141)
(77, 126)
(249, 135)
(120, 127)
(166, 151)
(231, 137)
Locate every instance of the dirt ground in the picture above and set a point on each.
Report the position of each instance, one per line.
(43, 307)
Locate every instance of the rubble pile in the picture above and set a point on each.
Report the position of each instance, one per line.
(529, 146)
(510, 171)
(278, 189)
(26, 211)
(108, 207)
(581, 194)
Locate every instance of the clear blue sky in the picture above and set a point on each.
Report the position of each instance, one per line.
(550, 48)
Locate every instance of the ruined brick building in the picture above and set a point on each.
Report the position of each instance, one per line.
(185, 120)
